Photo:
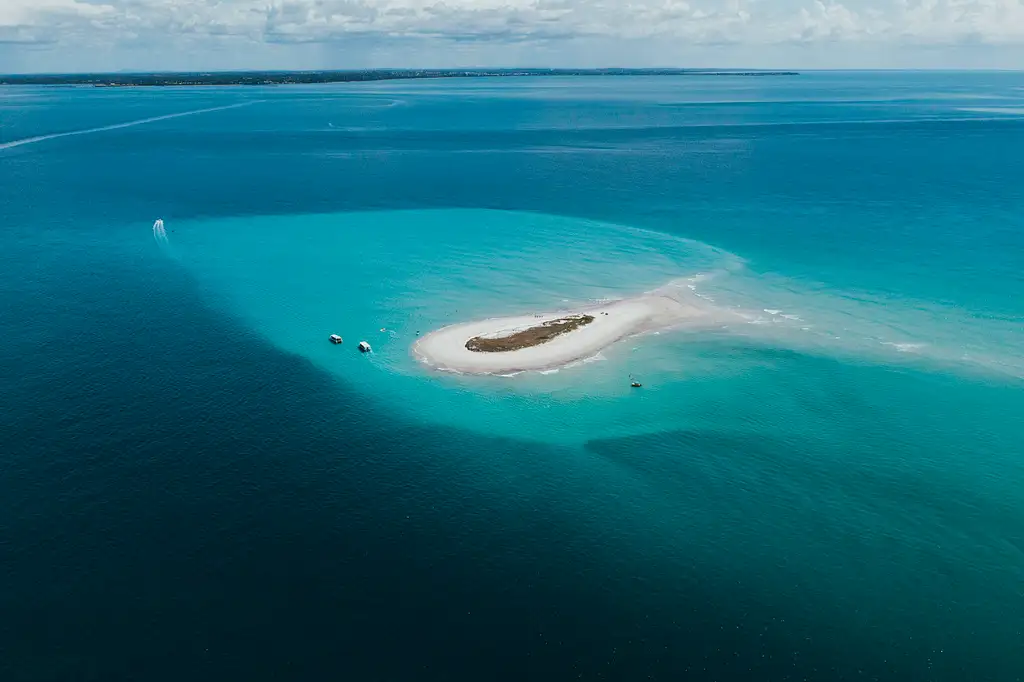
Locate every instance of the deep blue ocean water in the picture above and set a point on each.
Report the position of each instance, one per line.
(195, 484)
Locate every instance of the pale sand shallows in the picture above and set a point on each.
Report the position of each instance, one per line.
(669, 306)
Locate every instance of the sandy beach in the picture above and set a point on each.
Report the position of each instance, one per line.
(670, 306)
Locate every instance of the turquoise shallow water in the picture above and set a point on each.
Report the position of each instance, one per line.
(196, 483)
(389, 276)
(297, 278)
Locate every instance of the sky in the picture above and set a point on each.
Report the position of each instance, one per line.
(141, 35)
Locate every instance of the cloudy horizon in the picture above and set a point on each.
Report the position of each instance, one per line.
(140, 35)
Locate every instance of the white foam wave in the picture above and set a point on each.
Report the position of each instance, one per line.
(1009, 111)
(905, 347)
(598, 357)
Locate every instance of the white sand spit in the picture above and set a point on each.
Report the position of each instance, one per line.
(673, 305)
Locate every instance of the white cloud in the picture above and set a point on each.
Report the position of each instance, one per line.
(205, 24)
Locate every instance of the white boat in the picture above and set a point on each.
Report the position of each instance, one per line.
(364, 347)
(335, 338)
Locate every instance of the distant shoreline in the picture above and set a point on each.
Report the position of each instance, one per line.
(255, 78)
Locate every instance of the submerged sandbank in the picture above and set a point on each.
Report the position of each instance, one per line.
(670, 306)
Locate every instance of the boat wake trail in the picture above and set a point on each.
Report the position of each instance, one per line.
(116, 126)
(159, 232)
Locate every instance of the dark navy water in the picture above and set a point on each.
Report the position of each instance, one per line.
(191, 488)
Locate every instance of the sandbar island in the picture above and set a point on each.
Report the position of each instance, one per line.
(538, 342)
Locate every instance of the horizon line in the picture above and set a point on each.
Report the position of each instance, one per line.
(470, 69)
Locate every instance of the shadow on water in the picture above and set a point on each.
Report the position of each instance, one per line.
(181, 500)
(881, 570)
